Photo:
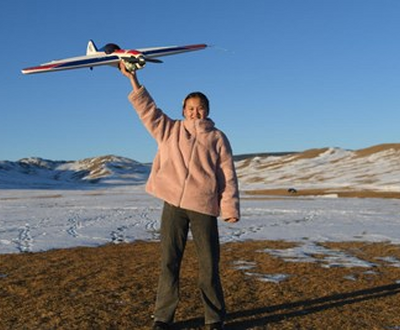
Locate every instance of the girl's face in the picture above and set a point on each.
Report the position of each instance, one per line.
(195, 109)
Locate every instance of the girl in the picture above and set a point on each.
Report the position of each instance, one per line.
(193, 172)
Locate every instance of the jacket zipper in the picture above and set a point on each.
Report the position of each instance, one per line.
(194, 137)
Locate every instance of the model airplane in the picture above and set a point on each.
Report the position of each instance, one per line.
(112, 54)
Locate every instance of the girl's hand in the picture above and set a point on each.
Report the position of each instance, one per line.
(124, 70)
(131, 75)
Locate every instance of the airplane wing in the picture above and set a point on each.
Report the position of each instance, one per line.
(73, 63)
(171, 50)
(97, 58)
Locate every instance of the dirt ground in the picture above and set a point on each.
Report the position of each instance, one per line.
(321, 192)
(114, 287)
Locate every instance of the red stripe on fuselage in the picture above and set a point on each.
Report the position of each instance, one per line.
(42, 67)
(129, 51)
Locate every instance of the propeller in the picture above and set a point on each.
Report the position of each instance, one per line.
(138, 62)
(141, 59)
(153, 60)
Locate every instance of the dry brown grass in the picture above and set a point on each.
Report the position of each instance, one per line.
(310, 153)
(320, 192)
(114, 287)
(378, 148)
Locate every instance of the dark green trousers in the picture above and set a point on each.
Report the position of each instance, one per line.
(175, 224)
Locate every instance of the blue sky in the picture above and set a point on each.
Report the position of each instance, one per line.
(281, 75)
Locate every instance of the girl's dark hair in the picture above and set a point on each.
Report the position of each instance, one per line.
(203, 99)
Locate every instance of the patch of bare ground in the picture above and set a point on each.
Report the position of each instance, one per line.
(308, 154)
(378, 148)
(114, 287)
(311, 153)
(32, 197)
(321, 192)
(285, 159)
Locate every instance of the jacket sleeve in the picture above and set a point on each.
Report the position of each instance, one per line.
(154, 119)
(228, 183)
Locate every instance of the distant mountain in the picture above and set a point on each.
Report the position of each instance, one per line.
(330, 169)
(42, 173)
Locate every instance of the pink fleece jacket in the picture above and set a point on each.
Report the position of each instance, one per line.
(193, 168)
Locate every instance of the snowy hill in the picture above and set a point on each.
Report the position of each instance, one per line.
(376, 169)
(41, 173)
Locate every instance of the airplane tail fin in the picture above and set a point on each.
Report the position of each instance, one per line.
(91, 48)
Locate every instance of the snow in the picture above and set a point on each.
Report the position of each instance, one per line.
(327, 258)
(38, 220)
(62, 204)
(324, 168)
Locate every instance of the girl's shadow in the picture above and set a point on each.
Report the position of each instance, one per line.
(259, 318)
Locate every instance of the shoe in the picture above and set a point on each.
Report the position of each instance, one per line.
(215, 326)
(158, 325)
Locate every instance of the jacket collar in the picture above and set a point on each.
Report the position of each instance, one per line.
(198, 125)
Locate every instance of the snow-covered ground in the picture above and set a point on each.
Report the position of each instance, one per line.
(39, 220)
(48, 204)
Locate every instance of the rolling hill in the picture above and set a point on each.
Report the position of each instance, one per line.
(314, 171)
